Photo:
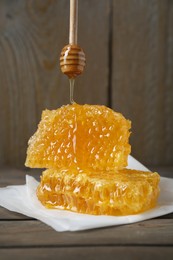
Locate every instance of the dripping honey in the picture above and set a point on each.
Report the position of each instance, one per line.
(72, 82)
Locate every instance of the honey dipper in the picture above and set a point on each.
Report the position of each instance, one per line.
(72, 59)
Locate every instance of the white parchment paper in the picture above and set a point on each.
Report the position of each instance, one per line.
(23, 199)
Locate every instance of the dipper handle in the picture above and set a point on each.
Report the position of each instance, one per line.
(73, 27)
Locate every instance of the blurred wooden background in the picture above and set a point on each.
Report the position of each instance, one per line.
(129, 50)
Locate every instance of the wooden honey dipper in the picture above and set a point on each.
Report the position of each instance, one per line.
(72, 59)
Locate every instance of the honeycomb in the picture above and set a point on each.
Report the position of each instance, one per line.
(121, 192)
(84, 137)
(85, 148)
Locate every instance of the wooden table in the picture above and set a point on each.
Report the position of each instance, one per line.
(25, 238)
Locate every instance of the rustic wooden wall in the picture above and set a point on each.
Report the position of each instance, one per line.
(129, 50)
(142, 75)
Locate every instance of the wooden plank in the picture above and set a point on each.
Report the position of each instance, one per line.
(142, 77)
(166, 216)
(14, 176)
(32, 36)
(163, 171)
(90, 253)
(168, 91)
(92, 86)
(34, 233)
(5, 214)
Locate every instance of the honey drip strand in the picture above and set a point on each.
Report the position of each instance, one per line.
(72, 81)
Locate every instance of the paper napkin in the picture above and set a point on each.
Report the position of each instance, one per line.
(23, 199)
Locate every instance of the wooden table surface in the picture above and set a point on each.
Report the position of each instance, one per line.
(26, 238)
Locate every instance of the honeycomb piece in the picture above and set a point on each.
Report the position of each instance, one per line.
(117, 193)
(80, 136)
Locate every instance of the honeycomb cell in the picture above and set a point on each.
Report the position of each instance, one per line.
(121, 192)
(80, 137)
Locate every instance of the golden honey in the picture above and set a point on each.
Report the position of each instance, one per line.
(85, 150)
(72, 82)
(121, 192)
(80, 136)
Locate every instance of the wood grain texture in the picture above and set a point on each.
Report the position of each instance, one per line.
(89, 253)
(9, 215)
(32, 34)
(142, 75)
(168, 100)
(11, 176)
(34, 233)
(93, 32)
